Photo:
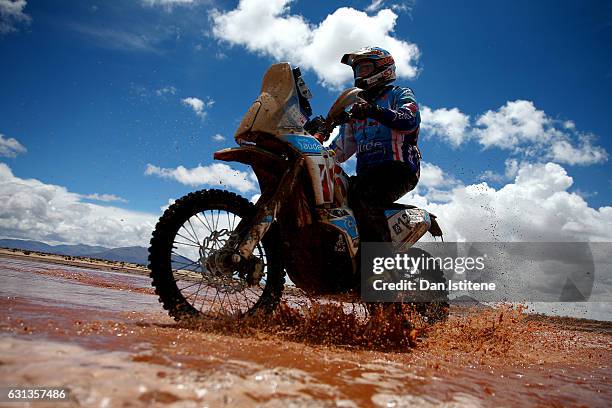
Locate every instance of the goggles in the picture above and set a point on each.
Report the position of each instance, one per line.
(364, 69)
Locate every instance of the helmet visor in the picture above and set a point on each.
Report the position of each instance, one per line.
(363, 69)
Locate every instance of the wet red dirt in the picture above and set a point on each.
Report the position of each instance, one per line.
(113, 345)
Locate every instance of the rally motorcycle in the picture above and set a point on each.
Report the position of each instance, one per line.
(215, 252)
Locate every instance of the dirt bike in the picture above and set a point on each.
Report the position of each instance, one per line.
(215, 252)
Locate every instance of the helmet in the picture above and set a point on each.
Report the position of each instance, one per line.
(372, 66)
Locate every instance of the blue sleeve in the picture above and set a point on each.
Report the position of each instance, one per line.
(405, 116)
(344, 145)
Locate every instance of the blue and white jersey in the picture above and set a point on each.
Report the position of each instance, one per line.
(391, 136)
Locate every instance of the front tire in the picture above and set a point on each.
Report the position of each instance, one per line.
(187, 232)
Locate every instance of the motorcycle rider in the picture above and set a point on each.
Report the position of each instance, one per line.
(383, 132)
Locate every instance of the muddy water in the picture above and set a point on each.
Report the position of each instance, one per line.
(105, 337)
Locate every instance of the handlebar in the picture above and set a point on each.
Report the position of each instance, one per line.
(337, 114)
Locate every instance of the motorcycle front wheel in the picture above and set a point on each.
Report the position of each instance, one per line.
(187, 233)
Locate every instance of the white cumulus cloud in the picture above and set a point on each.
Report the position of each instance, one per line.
(517, 122)
(521, 127)
(448, 124)
(198, 105)
(256, 24)
(216, 175)
(434, 176)
(435, 182)
(31, 209)
(517, 126)
(585, 154)
(10, 147)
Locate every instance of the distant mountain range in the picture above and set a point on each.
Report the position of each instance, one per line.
(135, 254)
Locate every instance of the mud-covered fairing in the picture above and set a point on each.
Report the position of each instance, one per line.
(276, 110)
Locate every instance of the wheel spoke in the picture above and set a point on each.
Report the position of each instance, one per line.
(193, 239)
(214, 299)
(205, 298)
(209, 222)
(188, 286)
(196, 294)
(193, 230)
(218, 216)
(190, 240)
(207, 226)
(233, 223)
(187, 244)
(184, 264)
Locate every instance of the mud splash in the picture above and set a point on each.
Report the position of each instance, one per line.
(324, 324)
(499, 332)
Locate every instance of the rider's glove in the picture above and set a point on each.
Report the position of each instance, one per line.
(363, 110)
(315, 125)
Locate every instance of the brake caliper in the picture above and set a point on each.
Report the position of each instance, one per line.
(252, 270)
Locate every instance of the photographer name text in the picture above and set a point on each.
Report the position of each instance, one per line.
(462, 285)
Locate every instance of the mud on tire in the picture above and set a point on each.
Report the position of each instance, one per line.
(170, 232)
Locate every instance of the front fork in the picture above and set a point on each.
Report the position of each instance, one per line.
(250, 232)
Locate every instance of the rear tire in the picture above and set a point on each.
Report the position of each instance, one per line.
(178, 228)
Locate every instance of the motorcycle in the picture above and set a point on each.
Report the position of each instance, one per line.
(214, 252)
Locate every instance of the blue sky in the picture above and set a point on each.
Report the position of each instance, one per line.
(96, 91)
